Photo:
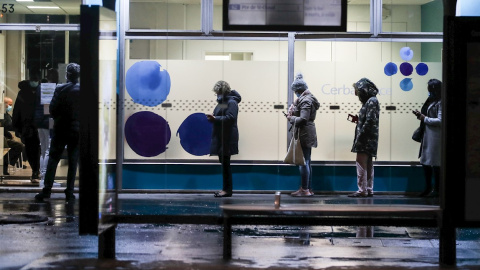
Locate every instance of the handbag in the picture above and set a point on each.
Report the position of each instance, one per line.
(295, 153)
(418, 133)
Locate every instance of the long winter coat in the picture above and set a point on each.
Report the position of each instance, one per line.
(430, 148)
(366, 132)
(303, 116)
(225, 130)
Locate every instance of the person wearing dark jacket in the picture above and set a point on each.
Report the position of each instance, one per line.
(224, 142)
(23, 123)
(64, 109)
(365, 142)
(302, 114)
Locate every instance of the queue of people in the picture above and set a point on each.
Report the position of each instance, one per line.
(31, 125)
(301, 116)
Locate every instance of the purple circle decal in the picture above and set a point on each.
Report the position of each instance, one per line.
(147, 83)
(147, 133)
(390, 69)
(406, 69)
(422, 69)
(196, 134)
(406, 53)
(406, 84)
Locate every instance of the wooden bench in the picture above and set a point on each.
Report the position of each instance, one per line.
(326, 215)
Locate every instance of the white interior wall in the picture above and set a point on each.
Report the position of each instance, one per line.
(329, 69)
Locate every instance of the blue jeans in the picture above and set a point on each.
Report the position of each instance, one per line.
(306, 170)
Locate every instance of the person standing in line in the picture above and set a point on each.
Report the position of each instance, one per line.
(64, 109)
(42, 122)
(302, 114)
(225, 136)
(430, 146)
(365, 143)
(23, 123)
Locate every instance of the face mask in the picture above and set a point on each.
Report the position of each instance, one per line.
(9, 108)
(298, 94)
(33, 84)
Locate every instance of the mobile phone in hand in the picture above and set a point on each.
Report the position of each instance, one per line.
(284, 114)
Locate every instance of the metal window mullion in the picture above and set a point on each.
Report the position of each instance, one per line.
(376, 17)
(207, 16)
(290, 74)
(122, 26)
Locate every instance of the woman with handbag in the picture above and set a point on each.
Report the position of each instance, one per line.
(301, 115)
(430, 117)
(365, 142)
(224, 142)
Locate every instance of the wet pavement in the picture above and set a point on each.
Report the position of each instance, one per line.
(50, 239)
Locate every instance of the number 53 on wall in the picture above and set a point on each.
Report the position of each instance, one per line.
(8, 8)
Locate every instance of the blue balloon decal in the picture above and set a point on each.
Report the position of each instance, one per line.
(406, 53)
(406, 84)
(406, 69)
(422, 69)
(147, 133)
(147, 83)
(195, 134)
(390, 69)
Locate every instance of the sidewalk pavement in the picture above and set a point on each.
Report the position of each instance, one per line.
(54, 243)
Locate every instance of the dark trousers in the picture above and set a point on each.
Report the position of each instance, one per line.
(57, 145)
(32, 148)
(428, 172)
(226, 172)
(13, 155)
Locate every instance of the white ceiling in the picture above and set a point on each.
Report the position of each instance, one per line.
(73, 6)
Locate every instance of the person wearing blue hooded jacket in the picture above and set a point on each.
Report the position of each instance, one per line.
(224, 141)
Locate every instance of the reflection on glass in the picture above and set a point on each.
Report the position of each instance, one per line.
(416, 16)
(160, 14)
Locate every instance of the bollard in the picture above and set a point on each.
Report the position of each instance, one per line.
(277, 199)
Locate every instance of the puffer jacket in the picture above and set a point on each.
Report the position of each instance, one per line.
(23, 110)
(303, 116)
(225, 130)
(366, 131)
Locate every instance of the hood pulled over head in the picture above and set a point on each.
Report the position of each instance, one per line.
(365, 89)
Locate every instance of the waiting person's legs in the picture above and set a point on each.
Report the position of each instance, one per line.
(56, 149)
(427, 171)
(44, 136)
(227, 173)
(73, 155)
(306, 170)
(362, 175)
(32, 147)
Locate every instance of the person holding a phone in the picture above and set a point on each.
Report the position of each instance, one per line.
(430, 146)
(302, 114)
(365, 142)
(224, 142)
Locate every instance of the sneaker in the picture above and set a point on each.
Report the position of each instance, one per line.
(42, 195)
(301, 193)
(370, 194)
(358, 194)
(222, 194)
(35, 177)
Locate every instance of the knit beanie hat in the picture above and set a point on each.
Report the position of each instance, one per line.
(299, 84)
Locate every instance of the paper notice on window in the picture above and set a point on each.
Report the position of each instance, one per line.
(47, 90)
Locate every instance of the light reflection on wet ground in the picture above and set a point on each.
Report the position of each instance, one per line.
(55, 244)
